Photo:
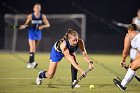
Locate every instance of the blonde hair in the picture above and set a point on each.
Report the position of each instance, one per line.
(67, 35)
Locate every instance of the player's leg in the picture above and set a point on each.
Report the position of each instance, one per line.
(129, 75)
(133, 54)
(34, 64)
(74, 72)
(52, 69)
(36, 43)
(32, 46)
(45, 74)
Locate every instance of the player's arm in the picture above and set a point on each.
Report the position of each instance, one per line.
(84, 53)
(46, 23)
(120, 24)
(29, 18)
(67, 55)
(126, 49)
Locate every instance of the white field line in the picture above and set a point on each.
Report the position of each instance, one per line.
(54, 78)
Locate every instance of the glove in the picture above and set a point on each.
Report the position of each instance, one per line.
(123, 64)
(23, 26)
(91, 66)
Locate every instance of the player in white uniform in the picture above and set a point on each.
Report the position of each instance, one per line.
(136, 20)
(132, 39)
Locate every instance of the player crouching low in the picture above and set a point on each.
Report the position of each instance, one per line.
(65, 47)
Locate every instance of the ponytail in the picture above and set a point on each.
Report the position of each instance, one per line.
(66, 36)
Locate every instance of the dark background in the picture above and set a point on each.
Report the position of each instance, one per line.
(102, 35)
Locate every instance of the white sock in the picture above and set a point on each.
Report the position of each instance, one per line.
(128, 77)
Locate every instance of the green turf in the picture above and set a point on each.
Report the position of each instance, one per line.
(16, 78)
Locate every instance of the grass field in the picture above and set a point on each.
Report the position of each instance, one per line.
(16, 78)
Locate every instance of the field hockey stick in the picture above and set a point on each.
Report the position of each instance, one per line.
(120, 24)
(26, 27)
(18, 27)
(80, 78)
(126, 67)
(14, 26)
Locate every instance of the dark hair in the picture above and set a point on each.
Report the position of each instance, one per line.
(37, 4)
(139, 10)
(132, 27)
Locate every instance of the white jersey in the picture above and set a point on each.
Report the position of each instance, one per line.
(137, 21)
(135, 42)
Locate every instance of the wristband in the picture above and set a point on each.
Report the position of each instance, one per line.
(91, 62)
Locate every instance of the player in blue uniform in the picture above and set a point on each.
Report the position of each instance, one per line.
(65, 47)
(35, 23)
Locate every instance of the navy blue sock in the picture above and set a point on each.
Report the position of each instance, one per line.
(73, 73)
(42, 74)
(31, 57)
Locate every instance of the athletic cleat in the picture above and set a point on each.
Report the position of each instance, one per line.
(118, 84)
(76, 86)
(39, 80)
(29, 65)
(34, 65)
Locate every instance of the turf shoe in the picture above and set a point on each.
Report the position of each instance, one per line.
(118, 84)
(38, 79)
(34, 64)
(29, 65)
(76, 86)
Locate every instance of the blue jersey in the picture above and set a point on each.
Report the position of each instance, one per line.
(33, 32)
(56, 54)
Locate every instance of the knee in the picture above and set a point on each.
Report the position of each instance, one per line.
(134, 66)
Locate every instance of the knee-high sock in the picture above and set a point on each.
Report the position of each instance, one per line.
(43, 74)
(31, 57)
(73, 73)
(128, 77)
